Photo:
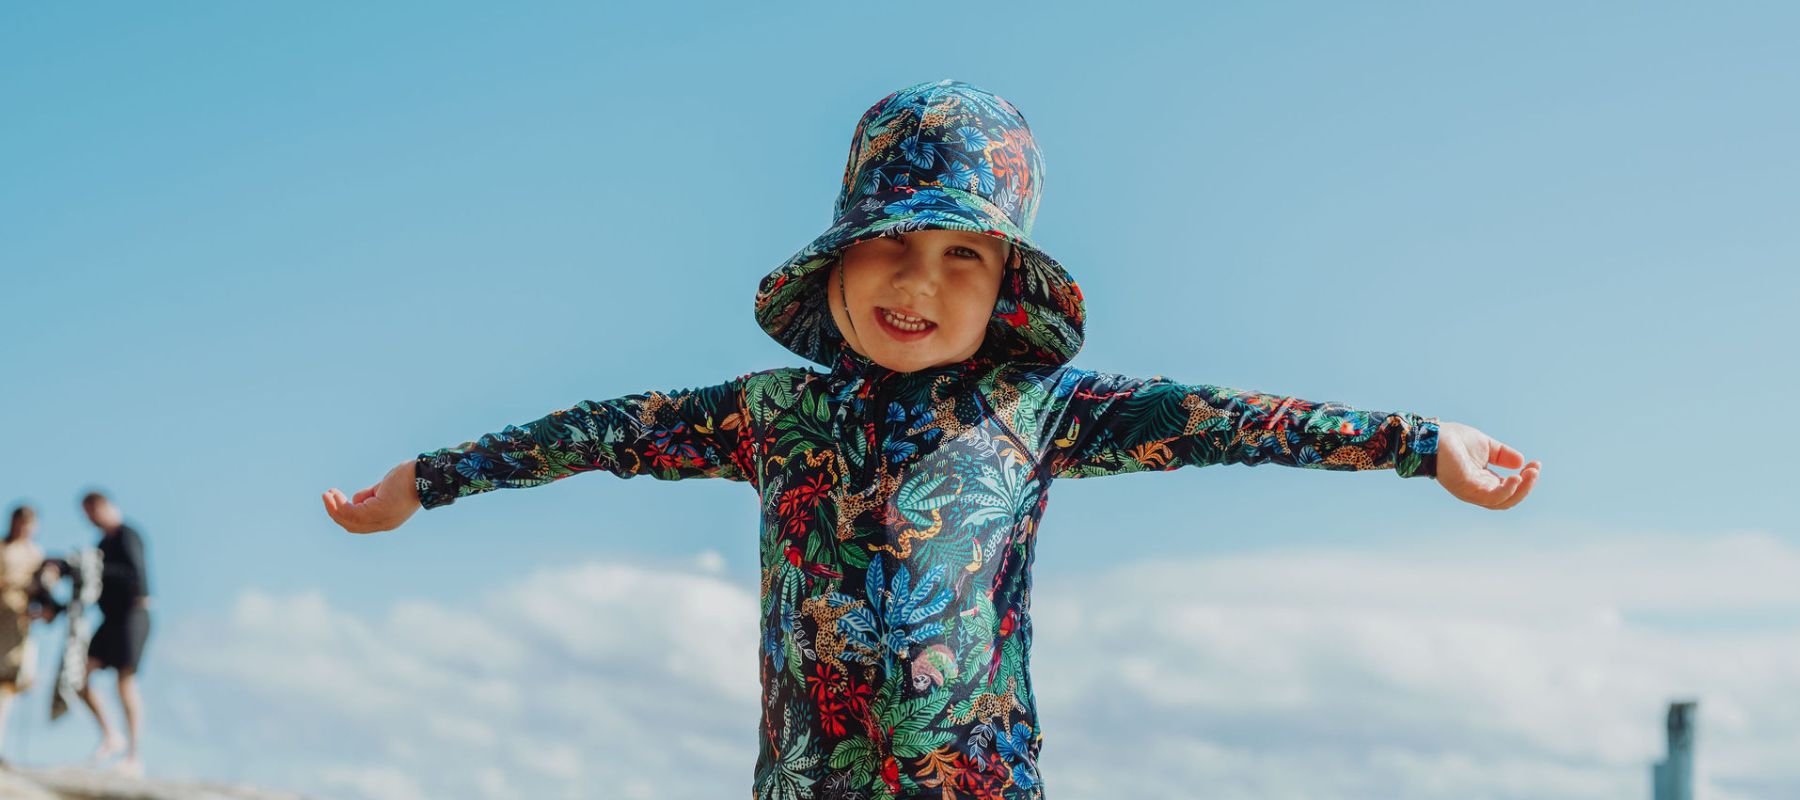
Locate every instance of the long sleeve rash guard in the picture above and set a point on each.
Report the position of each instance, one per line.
(899, 513)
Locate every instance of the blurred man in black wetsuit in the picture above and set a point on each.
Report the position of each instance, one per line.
(118, 643)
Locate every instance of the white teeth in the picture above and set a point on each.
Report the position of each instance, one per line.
(905, 323)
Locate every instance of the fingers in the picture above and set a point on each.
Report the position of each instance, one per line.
(1500, 455)
(350, 516)
(335, 505)
(1510, 490)
(1527, 477)
(1502, 497)
(1500, 492)
(363, 495)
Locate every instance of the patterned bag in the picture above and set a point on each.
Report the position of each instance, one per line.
(71, 673)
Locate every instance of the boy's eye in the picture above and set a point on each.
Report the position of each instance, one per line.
(971, 253)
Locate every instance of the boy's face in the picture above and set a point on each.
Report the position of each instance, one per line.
(949, 279)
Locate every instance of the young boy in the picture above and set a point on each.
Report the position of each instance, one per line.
(902, 488)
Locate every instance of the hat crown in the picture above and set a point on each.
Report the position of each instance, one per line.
(946, 133)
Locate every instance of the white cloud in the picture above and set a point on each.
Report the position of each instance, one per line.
(710, 561)
(557, 760)
(1481, 668)
(493, 785)
(559, 684)
(1469, 666)
(697, 627)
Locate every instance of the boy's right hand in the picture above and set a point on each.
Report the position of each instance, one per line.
(382, 507)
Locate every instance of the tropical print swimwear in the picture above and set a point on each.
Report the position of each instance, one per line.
(899, 513)
(899, 509)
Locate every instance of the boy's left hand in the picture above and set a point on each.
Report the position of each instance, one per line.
(1463, 454)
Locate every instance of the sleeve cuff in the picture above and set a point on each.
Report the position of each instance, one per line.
(1418, 447)
(435, 479)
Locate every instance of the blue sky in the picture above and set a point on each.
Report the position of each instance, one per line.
(249, 253)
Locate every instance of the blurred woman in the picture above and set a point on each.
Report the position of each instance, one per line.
(20, 558)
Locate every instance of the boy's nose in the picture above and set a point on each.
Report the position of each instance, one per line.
(916, 276)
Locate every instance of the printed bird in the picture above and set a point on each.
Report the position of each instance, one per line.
(794, 557)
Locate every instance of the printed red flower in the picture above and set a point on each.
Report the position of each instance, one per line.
(971, 779)
(890, 773)
(797, 504)
(834, 717)
(824, 682)
(1018, 318)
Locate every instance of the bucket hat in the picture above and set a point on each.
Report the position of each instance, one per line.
(936, 155)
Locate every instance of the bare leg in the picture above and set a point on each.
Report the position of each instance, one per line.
(128, 696)
(6, 698)
(109, 741)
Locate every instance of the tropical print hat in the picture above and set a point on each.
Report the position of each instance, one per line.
(939, 155)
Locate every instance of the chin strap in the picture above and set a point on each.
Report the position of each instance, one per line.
(844, 298)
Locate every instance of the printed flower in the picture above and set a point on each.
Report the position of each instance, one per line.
(890, 773)
(825, 681)
(976, 778)
(472, 465)
(772, 646)
(911, 205)
(918, 151)
(896, 616)
(959, 175)
(898, 449)
(974, 139)
(984, 176)
(799, 505)
(1016, 749)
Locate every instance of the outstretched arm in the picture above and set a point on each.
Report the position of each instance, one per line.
(687, 433)
(1114, 424)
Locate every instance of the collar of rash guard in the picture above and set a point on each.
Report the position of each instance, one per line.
(851, 367)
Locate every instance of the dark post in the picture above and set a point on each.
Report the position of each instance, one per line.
(1673, 777)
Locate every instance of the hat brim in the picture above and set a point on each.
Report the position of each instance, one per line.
(1038, 315)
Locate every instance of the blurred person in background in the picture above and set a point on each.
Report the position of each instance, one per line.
(118, 643)
(20, 558)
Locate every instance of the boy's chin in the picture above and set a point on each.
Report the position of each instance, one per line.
(898, 366)
(913, 364)
(908, 362)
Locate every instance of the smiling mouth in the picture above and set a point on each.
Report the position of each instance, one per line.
(903, 322)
